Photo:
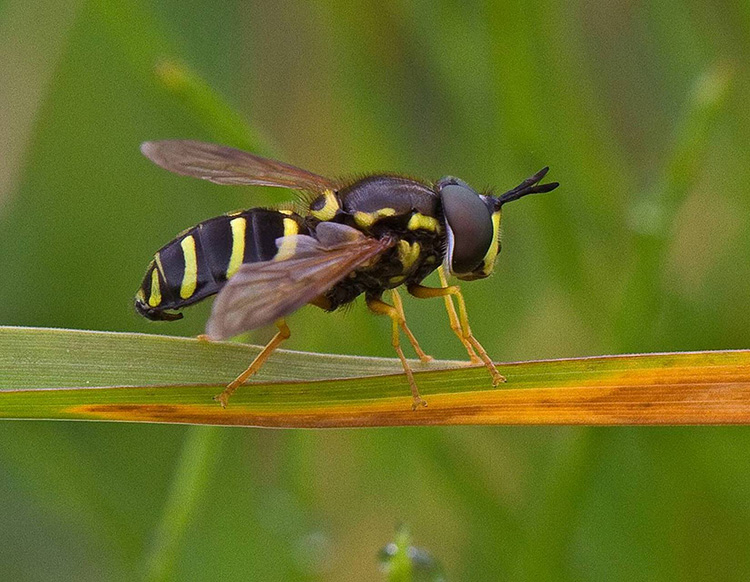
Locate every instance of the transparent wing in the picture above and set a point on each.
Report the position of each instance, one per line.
(260, 293)
(224, 165)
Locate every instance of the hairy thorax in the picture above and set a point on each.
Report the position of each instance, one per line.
(404, 210)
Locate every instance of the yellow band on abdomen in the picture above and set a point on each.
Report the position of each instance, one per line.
(190, 278)
(238, 226)
(288, 243)
(154, 298)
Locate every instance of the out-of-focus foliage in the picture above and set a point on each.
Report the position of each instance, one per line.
(640, 110)
(400, 561)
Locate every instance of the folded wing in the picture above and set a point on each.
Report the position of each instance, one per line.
(260, 293)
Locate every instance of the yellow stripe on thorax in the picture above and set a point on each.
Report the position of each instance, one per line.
(420, 221)
(238, 226)
(190, 278)
(288, 243)
(330, 207)
(367, 219)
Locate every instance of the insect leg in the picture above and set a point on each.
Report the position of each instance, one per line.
(426, 292)
(413, 340)
(382, 308)
(259, 360)
(453, 319)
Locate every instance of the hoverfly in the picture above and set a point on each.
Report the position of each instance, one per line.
(362, 236)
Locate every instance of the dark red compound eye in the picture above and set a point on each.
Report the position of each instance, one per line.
(470, 232)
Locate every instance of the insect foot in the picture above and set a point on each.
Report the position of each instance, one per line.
(497, 378)
(418, 402)
(222, 399)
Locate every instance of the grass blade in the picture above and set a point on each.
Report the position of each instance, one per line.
(77, 375)
(193, 470)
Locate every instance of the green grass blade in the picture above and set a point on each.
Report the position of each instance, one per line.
(80, 375)
(142, 38)
(37, 358)
(224, 122)
(31, 42)
(191, 475)
(654, 213)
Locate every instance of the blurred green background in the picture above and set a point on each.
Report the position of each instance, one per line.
(640, 109)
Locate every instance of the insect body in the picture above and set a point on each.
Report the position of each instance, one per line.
(199, 262)
(354, 237)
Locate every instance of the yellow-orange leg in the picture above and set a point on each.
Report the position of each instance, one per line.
(382, 308)
(427, 292)
(453, 320)
(398, 304)
(259, 360)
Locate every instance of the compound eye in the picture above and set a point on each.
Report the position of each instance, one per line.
(470, 230)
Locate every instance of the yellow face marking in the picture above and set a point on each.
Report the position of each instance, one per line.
(367, 219)
(397, 280)
(408, 253)
(488, 263)
(288, 243)
(287, 212)
(190, 278)
(140, 295)
(238, 226)
(420, 221)
(155, 297)
(330, 207)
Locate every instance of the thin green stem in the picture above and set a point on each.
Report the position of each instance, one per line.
(220, 118)
(653, 215)
(544, 552)
(188, 485)
(144, 41)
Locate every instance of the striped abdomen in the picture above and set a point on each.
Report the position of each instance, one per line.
(200, 260)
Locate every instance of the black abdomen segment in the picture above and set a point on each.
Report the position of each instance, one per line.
(199, 261)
